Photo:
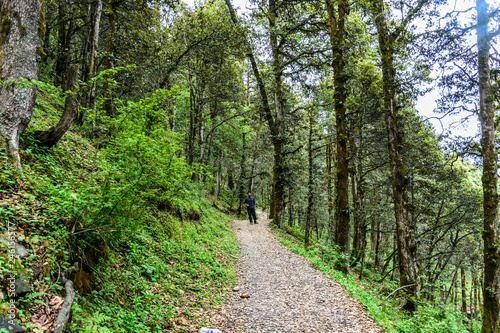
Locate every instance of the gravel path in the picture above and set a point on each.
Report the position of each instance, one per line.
(286, 293)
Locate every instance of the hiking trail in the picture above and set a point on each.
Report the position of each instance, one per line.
(287, 294)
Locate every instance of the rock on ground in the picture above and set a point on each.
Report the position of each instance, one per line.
(286, 293)
(10, 325)
(22, 285)
(18, 248)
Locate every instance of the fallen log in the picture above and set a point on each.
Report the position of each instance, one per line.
(62, 318)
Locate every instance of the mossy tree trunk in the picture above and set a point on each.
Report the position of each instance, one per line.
(330, 160)
(21, 32)
(310, 182)
(491, 290)
(359, 237)
(52, 136)
(278, 194)
(337, 32)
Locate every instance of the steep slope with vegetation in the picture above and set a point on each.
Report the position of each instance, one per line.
(138, 266)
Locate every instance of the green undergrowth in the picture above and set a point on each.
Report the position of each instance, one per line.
(384, 310)
(118, 211)
(160, 283)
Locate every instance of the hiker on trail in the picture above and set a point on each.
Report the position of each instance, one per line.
(250, 203)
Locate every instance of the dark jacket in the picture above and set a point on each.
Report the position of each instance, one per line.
(250, 201)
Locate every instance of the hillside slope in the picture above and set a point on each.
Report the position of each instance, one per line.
(142, 259)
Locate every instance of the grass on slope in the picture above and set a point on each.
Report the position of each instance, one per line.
(161, 283)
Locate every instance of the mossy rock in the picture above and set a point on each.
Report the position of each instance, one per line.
(11, 326)
(5, 265)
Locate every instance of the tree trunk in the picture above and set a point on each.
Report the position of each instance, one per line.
(64, 33)
(378, 241)
(491, 291)
(217, 181)
(394, 258)
(290, 208)
(46, 38)
(316, 227)
(310, 183)
(406, 251)
(262, 198)
(271, 202)
(251, 180)
(278, 195)
(201, 131)
(173, 116)
(230, 180)
(445, 299)
(373, 233)
(278, 130)
(471, 297)
(85, 49)
(359, 237)
(192, 124)
(241, 183)
(464, 290)
(476, 303)
(255, 155)
(363, 258)
(330, 159)
(22, 28)
(336, 22)
(481, 292)
(90, 68)
(51, 137)
(110, 48)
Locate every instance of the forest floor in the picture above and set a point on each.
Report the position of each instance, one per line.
(286, 293)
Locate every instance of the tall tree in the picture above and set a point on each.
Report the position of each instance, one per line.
(20, 38)
(278, 192)
(406, 251)
(89, 57)
(310, 181)
(330, 158)
(491, 290)
(337, 31)
(109, 61)
(359, 237)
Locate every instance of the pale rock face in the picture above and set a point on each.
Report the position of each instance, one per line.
(19, 57)
(18, 248)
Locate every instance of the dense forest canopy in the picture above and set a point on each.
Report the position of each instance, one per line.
(308, 104)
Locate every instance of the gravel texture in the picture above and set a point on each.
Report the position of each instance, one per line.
(286, 293)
